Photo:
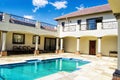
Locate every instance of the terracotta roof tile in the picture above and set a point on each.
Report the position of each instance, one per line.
(86, 11)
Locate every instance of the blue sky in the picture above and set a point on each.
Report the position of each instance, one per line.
(45, 10)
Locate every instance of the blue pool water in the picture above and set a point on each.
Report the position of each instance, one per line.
(33, 69)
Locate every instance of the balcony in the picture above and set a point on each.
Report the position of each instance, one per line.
(22, 21)
(91, 26)
(47, 26)
(1, 16)
(69, 28)
(110, 25)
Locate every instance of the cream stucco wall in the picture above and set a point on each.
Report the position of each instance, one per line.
(28, 41)
(109, 43)
(70, 44)
(84, 45)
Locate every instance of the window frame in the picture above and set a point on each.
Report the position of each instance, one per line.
(22, 42)
(88, 28)
(89, 23)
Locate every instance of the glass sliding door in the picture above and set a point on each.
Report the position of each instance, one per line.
(50, 44)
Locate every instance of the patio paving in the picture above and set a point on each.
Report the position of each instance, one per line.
(100, 68)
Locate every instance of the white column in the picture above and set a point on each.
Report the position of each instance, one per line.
(118, 64)
(99, 26)
(78, 44)
(3, 38)
(57, 43)
(36, 42)
(99, 45)
(61, 44)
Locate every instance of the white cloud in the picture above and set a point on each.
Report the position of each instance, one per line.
(81, 7)
(59, 4)
(28, 16)
(39, 4)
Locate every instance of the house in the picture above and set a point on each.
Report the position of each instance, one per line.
(89, 31)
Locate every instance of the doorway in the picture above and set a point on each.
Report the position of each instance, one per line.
(50, 44)
(92, 47)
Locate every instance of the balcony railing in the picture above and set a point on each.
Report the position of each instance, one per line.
(83, 27)
(110, 25)
(22, 21)
(69, 28)
(1, 16)
(91, 26)
(48, 26)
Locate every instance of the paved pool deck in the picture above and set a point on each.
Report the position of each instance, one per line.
(100, 68)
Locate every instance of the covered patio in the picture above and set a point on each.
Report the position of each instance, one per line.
(18, 42)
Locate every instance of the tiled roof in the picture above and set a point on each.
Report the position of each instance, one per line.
(87, 11)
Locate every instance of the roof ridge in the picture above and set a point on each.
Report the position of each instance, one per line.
(85, 9)
(95, 6)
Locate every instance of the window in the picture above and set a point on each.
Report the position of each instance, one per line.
(92, 23)
(18, 38)
(63, 24)
(78, 22)
(34, 38)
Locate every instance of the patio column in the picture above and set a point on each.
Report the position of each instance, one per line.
(116, 74)
(61, 46)
(78, 46)
(3, 39)
(57, 45)
(36, 52)
(99, 47)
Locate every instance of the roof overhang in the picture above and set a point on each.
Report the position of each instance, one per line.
(62, 18)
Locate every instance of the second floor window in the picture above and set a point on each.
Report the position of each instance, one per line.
(78, 22)
(63, 24)
(92, 23)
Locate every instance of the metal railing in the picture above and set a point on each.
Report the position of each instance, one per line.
(1, 16)
(48, 26)
(22, 21)
(91, 26)
(69, 28)
(110, 25)
(83, 27)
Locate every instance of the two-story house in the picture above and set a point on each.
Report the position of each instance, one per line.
(89, 31)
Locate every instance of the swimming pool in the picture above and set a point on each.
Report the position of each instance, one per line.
(33, 69)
